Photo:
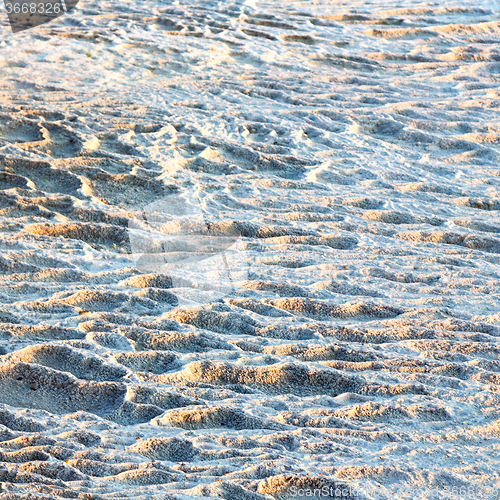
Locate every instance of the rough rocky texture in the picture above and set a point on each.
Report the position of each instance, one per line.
(250, 251)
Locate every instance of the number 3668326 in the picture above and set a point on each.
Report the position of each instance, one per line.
(34, 8)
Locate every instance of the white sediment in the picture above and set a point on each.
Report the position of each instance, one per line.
(321, 317)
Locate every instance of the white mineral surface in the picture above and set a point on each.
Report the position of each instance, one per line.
(250, 251)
